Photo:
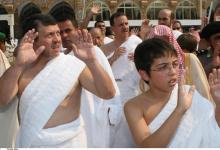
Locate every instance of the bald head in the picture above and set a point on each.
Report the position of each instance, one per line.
(97, 36)
(165, 17)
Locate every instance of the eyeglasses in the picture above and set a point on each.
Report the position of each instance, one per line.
(166, 67)
(163, 19)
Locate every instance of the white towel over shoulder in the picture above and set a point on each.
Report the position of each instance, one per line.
(43, 95)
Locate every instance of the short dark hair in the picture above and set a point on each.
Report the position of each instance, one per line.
(63, 16)
(98, 21)
(35, 20)
(151, 49)
(115, 15)
(188, 42)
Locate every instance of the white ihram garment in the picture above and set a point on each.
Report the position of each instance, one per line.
(40, 99)
(198, 127)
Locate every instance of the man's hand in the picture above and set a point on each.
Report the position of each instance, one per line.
(95, 9)
(25, 52)
(145, 29)
(83, 47)
(214, 82)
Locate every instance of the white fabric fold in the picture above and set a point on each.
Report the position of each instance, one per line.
(44, 94)
(68, 135)
(99, 114)
(127, 79)
(198, 127)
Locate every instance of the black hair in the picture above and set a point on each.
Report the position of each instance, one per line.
(64, 16)
(115, 15)
(188, 42)
(35, 20)
(98, 21)
(151, 49)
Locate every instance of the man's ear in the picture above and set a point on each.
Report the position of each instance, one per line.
(143, 75)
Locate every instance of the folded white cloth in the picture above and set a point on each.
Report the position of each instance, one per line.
(198, 127)
(43, 95)
(100, 115)
(68, 135)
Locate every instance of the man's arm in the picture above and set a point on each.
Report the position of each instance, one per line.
(93, 78)
(94, 11)
(214, 82)
(25, 56)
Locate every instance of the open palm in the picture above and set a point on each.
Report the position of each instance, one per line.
(25, 52)
(214, 82)
(83, 47)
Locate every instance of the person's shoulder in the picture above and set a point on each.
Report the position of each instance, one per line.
(134, 103)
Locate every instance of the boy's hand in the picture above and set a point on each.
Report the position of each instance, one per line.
(214, 82)
(184, 98)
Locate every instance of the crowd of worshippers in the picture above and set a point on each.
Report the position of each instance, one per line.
(65, 85)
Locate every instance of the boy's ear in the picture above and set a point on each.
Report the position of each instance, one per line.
(143, 75)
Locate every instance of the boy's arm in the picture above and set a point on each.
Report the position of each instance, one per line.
(161, 137)
(214, 82)
(141, 132)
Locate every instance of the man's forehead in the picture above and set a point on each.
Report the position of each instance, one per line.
(47, 29)
(217, 35)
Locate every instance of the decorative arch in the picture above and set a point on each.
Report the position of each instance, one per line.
(28, 10)
(154, 8)
(130, 9)
(104, 13)
(186, 10)
(62, 7)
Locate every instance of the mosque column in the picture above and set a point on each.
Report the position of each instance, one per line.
(144, 4)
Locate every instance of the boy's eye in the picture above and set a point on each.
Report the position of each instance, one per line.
(162, 68)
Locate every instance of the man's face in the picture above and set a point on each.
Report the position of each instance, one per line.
(121, 27)
(164, 18)
(2, 45)
(97, 37)
(215, 42)
(49, 36)
(177, 26)
(217, 14)
(67, 32)
(101, 25)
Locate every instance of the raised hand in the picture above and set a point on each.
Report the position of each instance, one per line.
(145, 28)
(214, 82)
(134, 31)
(83, 47)
(95, 9)
(184, 98)
(25, 52)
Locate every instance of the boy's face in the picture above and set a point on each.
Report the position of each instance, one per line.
(165, 70)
